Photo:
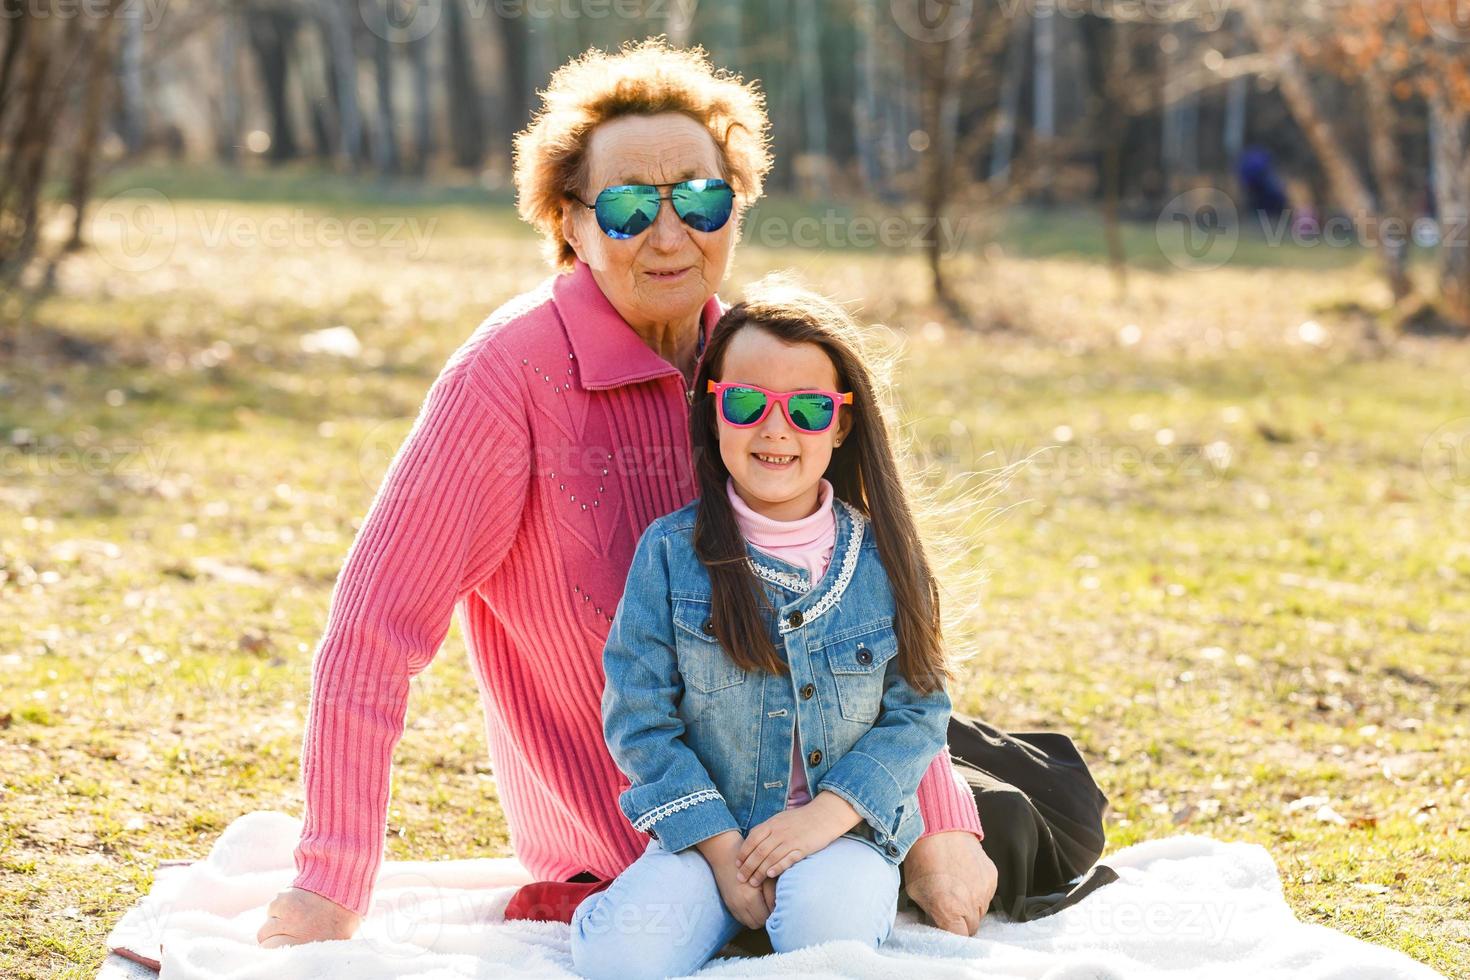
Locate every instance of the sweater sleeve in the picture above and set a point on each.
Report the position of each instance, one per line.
(441, 522)
(945, 800)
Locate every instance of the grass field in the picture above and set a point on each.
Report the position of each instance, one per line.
(1227, 551)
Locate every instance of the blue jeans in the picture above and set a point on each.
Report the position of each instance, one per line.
(663, 916)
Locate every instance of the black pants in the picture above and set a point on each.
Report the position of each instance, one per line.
(1043, 819)
(1042, 813)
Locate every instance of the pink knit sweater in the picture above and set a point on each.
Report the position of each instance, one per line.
(549, 441)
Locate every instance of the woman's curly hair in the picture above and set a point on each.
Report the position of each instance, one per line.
(639, 79)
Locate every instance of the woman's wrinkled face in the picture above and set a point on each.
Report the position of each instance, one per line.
(668, 272)
(776, 466)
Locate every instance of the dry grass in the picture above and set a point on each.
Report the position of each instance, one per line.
(1231, 576)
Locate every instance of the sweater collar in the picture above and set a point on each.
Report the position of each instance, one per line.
(610, 353)
(767, 532)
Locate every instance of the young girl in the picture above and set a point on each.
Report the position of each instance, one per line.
(775, 682)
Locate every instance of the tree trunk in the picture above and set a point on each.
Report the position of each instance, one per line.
(227, 131)
(133, 123)
(1296, 91)
(271, 32)
(385, 133)
(814, 151)
(1452, 202)
(1237, 105)
(866, 112)
(1111, 58)
(937, 63)
(1388, 174)
(1043, 95)
(95, 92)
(1003, 145)
(517, 86)
(341, 59)
(41, 87)
(15, 35)
(466, 126)
(1343, 177)
(423, 132)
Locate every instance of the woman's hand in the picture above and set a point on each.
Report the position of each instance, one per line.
(952, 879)
(776, 844)
(298, 916)
(751, 906)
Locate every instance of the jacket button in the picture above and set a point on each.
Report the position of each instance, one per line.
(865, 656)
(709, 626)
(892, 850)
(795, 619)
(807, 691)
(815, 758)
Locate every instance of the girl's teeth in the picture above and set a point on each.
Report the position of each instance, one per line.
(774, 459)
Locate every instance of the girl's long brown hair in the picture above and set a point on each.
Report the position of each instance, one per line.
(863, 471)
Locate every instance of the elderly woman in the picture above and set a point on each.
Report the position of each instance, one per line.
(553, 436)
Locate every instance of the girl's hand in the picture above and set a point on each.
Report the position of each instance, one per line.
(778, 843)
(750, 906)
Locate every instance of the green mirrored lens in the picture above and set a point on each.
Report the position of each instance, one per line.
(704, 204)
(626, 210)
(743, 406)
(810, 412)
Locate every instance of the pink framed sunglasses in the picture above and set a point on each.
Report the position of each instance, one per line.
(746, 405)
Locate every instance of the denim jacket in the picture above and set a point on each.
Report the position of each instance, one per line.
(706, 746)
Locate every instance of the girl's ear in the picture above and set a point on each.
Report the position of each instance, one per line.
(844, 423)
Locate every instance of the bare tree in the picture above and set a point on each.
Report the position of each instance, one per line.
(100, 34)
(29, 115)
(466, 124)
(272, 31)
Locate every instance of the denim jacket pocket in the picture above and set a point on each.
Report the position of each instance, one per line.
(702, 661)
(858, 659)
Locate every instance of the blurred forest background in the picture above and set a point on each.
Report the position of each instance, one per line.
(1352, 108)
(1177, 290)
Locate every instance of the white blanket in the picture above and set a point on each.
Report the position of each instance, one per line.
(1185, 906)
